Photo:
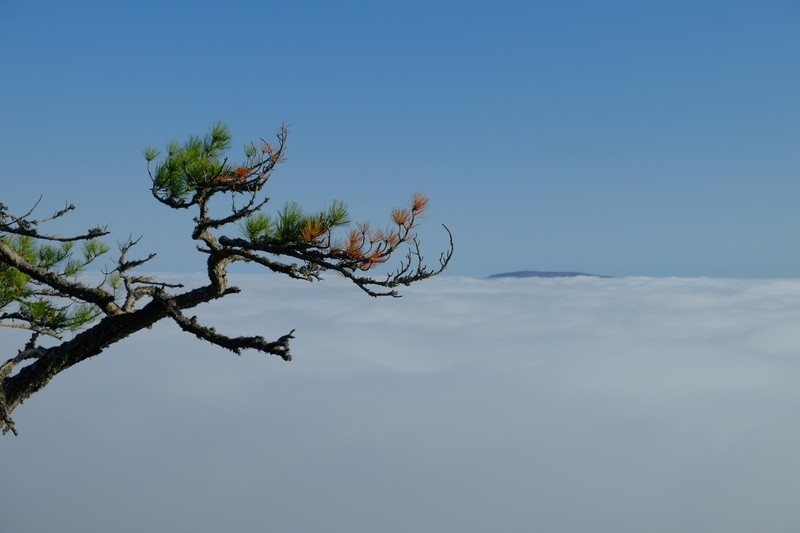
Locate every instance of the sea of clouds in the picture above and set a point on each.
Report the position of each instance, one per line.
(573, 404)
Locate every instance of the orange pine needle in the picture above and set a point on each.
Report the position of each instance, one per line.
(393, 239)
(401, 216)
(354, 242)
(378, 257)
(418, 203)
(312, 229)
(377, 235)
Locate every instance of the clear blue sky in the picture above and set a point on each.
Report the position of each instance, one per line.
(628, 138)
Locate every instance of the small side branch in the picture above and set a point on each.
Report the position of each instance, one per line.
(279, 347)
(73, 289)
(411, 269)
(236, 215)
(26, 226)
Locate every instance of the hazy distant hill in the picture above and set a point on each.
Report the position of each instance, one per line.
(541, 274)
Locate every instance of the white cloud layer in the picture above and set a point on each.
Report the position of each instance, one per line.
(581, 404)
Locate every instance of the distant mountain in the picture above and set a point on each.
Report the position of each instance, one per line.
(540, 274)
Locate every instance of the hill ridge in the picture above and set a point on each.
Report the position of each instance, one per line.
(543, 274)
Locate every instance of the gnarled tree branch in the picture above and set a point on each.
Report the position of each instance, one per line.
(39, 290)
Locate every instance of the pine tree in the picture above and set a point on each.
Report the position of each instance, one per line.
(40, 290)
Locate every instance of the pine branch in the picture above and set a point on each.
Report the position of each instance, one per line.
(98, 297)
(36, 279)
(279, 347)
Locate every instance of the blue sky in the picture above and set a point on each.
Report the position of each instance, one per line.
(627, 138)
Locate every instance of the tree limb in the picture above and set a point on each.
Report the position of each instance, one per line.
(279, 347)
(37, 279)
(96, 296)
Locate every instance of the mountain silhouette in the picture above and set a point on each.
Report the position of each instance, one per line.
(543, 274)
